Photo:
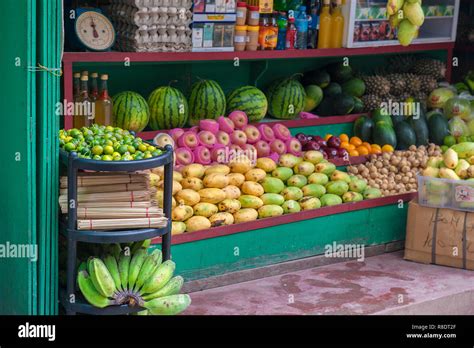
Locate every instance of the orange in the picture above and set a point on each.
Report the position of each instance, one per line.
(367, 145)
(327, 137)
(362, 150)
(376, 146)
(350, 147)
(356, 141)
(344, 145)
(344, 138)
(375, 151)
(353, 153)
(387, 148)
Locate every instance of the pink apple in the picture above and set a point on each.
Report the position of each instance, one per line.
(233, 151)
(194, 129)
(184, 156)
(250, 151)
(209, 125)
(238, 137)
(253, 134)
(278, 146)
(263, 149)
(266, 132)
(225, 124)
(239, 118)
(274, 156)
(281, 132)
(179, 167)
(294, 146)
(202, 155)
(176, 133)
(206, 138)
(188, 139)
(218, 154)
(223, 138)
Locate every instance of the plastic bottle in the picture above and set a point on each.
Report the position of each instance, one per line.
(282, 24)
(301, 24)
(314, 7)
(337, 26)
(291, 34)
(280, 5)
(324, 37)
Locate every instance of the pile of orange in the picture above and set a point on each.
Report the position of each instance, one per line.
(356, 147)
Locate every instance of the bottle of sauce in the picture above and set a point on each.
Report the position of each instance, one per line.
(81, 120)
(94, 89)
(324, 37)
(262, 33)
(337, 25)
(103, 104)
(272, 38)
(291, 34)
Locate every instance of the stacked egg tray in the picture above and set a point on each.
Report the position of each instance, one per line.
(152, 25)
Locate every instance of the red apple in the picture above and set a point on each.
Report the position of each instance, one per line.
(266, 132)
(250, 150)
(218, 154)
(225, 124)
(253, 134)
(294, 146)
(238, 137)
(274, 156)
(263, 149)
(184, 156)
(206, 138)
(188, 139)
(202, 155)
(281, 132)
(239, 118)
(209, 125)
(223, 138)
(176, 133)
(278, 146)
(194, 129)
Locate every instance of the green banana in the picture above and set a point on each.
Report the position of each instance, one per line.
(101, 277)
(115, 249)
(150, 265)
(90, 292)
(169, 305)
(112, 266)
(124, 266)
(144, 312)
(159, 278)
(82, 266)
(135, 265)
(141, 244)
(173, 287)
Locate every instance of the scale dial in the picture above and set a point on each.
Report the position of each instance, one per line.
(95, 31)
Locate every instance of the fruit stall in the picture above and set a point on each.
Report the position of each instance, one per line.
(203, 152)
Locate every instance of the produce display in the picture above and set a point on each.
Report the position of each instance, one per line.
(130, 275)
(456, 163)
(106, 143)
(407, 16)
(220, 194)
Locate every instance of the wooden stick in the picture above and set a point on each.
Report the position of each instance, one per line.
(137, 186)
(113, 224)
(130, 196)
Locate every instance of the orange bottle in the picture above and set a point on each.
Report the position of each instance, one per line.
(325, 19)
(337, 26)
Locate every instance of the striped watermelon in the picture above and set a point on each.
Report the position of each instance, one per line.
(130, 111)
(286, 98)
(207, 100)
(168, 108)
(250, 100)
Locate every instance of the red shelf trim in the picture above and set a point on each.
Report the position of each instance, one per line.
(88, 57)
(286, 219)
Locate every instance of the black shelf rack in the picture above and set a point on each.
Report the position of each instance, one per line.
(68, 227)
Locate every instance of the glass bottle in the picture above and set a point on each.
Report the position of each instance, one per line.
(82, 103)
(103, 104)
(324, 37)
(76, 86)
(337, 25)
(94, 90)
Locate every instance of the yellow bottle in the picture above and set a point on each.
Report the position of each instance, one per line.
(337, 26)
(103, 104)
(324, 36)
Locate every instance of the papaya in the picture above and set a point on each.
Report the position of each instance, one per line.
(420, 126)
(380, 114)
(363, 128)
(384, 134)
(438, 128)
(406, 135)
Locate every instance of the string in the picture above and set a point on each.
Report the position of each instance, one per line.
(51, 71)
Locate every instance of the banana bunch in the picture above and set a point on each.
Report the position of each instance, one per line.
(134, 277)
(407, 16)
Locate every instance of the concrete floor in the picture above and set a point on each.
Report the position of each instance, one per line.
(384, 284)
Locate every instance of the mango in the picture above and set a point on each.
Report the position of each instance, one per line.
(154, 179)
(231, 192)
(282, 173)
(447, 173)
(288, 160)
(318, 178)
(236, 179)
(221, 219)
(249, 201)
(338, 187)
(470, 172)
(181, 212)
(272, 185)
(229, 205)
(304, 168)
(245, 215)
(313, 156)
(464, 150)
(352, 196)
(393, 6)
(196, 223)
(188, 197)
(212, 195)
(461, 169)
(267, 164)
(450, 158)
(192, 183)
(340, 175)
(255, 174)
(330, 199)
(434, 161)
(308, 203)
(358, 185)
(431, 172)
(252, 188)
(240, 164)
(372, 192)
(291, 206)
(314, 190)
(159, 199)
(205, 209)
(271, 210)
(414, 13)
(177, 227)
(194, 170)
(272, 198)
(297, 180)
(217, 168)
(325, 168)
(215, 180)
(293, 193)
(406, 32)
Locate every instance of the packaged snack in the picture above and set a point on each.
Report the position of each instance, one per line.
(365, 31)
(362, 12)
(375, 31)
(357, 30)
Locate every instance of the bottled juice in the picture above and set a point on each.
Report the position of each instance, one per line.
(103, 104)
(325, 19)
(337, 26)
(94, 90)
(80, 119)
(291, 34)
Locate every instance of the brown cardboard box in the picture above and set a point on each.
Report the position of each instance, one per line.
(440, 236)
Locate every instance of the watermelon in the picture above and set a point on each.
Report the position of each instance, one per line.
(168, 108)
(130, 111)
(250, 100)
(207, 100)
(286, 98)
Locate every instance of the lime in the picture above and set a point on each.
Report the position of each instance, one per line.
(462, 139)
(151, 148)
(148, 155)
(117, 158)
(108, 150)
(69, 147)
(449, 140)
(127, 157)
(106, 158)
(122, 149)
(142, 147)
(156, 153)
(131, 149)
(97, 157)
(97, 150)
(444, 148)
(109, 129)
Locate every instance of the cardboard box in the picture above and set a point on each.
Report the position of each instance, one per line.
(440, 236)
